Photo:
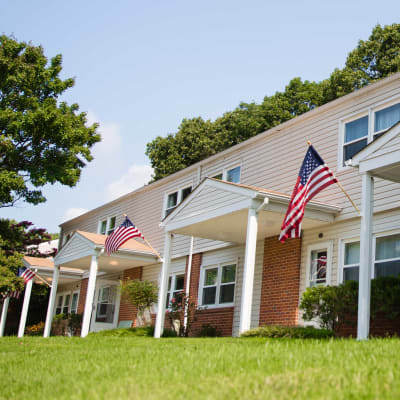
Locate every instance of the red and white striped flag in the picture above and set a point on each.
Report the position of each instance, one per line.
(26, 273)
(14, 294)
(121, 235)
(314, 176)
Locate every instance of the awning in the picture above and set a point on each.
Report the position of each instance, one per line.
(218, 210)
(77, 253)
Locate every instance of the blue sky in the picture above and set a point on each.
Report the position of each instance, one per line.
(141, 67)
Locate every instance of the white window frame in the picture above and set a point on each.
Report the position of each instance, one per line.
(108, 223)
(218, 285)
(379, 235)
(342, 247)
(63, 305)
(178, 201)
(370, 112)
(173, 281)
(225, 171)
(328, 245)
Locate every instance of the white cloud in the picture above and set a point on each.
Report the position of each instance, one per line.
(73, 212)
(137, 176)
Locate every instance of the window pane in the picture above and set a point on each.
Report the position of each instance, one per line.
(58, 310)
(74, 304)
(172, 200)
(350, 274)
(60, 301)
(356, 129)
(105, 313)
(233, 175)
(169, 283)
(210, 276)
(112, 225)
(179, 282)
(387, 247)
(186, 192)
(103, 227)
(219, 176)
(386, 118)
(389, 268)
(228, 273)
(209, 295)
(167, 303)
(318, 267)
(352, 253)
(169, 211)
(351, 149)
(226, 293)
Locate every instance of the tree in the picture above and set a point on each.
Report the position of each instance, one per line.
(196, 139)
(42, 140)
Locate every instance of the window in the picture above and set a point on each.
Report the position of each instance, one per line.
(106, 304)
(355, 137)
(175, 288)
(59, 305)
(359, 132)
(107, 226)
(230, 175)
(351, 261)
(175, 198)
(218, 285)
(319, 262)
(74, 303)
(387, 256)
(67, 237)
(64, 304)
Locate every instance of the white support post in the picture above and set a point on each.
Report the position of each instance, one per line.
(162, 293)
(248, 273)
(87, 314)
(188, 274)
(52, 301)
(364, 289)
(4, 310)
(25, 307)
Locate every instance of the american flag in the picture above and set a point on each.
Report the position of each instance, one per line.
(14, 294)
(26, 273)
(120, 235)
(314, 176)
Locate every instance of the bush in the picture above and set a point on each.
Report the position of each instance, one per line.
(123, 332)
(67, 324)
(208, 330)
(294, 332)
(169, 333)
(35, 330)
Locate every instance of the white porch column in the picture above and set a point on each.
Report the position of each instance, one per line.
(162, 293)
(25, 307)
(188, 275)
(4, 310)
(248, 273)
(52, 300)
(90, 296)
(364, 290)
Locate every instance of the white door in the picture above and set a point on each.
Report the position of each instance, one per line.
(106, 306)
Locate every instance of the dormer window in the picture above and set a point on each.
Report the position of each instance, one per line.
(175, 198)
(230, 175)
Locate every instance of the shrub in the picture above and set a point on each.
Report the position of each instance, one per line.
(35, 330)
(123, 332)
(295, 332)
(169, 333)
(68, 324)
(208, 330)
(179, 308)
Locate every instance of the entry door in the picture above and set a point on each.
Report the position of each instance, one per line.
(106, 306)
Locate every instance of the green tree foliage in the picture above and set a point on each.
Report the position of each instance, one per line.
(196, 139)
(17, 239)
(42, 140)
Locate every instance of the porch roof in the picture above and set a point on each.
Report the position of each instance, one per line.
(218, 210)
(77, 253)
(381, 158)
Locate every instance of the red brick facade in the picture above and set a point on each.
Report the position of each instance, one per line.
(280, 282)
(82, 295)
(127, 311)
(220, 318)
(195, 277)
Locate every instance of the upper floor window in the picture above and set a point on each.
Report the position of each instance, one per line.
(107, 226)
(217, 285)
(174, 198)
(361, 131)
(230, 175)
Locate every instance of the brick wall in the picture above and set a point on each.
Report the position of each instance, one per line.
(280, 282)
(82, 295)
(195, 276)
(221, 318)
(127, 311)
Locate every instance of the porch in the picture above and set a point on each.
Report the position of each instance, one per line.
(233, 213)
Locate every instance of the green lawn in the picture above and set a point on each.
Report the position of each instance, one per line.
(220, 368)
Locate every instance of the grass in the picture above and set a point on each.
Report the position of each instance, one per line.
(198, 368)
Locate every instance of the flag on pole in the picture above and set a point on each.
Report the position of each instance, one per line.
(26, 273)
(14, 294)
(121, 235)
(314, 176)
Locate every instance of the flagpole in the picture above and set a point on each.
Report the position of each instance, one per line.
(148, 244)
(343, 190)
(43, 280)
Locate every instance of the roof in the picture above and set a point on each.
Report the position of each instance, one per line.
(40, 262)
(131, 244)
(276, 129)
